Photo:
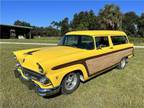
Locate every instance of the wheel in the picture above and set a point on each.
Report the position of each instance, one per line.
(70, 83)
(122, 63)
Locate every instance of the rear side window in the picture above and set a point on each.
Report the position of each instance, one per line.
(117, 40)
(102, 42)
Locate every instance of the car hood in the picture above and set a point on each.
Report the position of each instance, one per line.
(52, 53)
(46, 57)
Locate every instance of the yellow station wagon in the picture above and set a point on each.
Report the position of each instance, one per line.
(79, 56)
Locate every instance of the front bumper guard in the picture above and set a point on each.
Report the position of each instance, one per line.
(33, 86)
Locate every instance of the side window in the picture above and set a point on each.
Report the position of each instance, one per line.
(102, 42)
(117, 40)
(87, 42)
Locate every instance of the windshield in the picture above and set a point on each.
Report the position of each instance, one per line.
(79, 41)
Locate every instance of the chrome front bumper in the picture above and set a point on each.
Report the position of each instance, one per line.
(33, 86)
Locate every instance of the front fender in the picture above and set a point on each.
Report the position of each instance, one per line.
(57, 76)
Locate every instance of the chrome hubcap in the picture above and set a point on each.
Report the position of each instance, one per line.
(71, 81)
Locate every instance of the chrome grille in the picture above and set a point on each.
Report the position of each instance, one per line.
(31, 74)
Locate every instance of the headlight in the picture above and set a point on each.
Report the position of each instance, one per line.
(44, 80)
(40, 68)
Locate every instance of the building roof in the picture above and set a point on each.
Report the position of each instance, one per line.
(17, 26)
(96, 32)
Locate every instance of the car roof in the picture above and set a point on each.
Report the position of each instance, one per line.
(97, 33)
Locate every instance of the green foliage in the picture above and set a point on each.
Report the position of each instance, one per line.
(45, 31)
(55, 24)
(84, 21)
(64, 26)
(130, 23)
(141, 25)
(21, 23)
(109, 18)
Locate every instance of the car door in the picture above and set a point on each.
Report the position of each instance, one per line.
(121, 48)
(103, 59)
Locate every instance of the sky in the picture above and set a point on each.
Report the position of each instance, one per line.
(43, 12)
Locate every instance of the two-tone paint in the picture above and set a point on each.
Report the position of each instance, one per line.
(58, 61)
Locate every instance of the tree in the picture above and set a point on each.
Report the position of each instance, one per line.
(80, 21)
(141, 25)
(55, 24)
(110, 17)
(92, 21)
(130, 23)
(84, 20)
(45, 31)
(21, 23)
(50, 31)
(64, 26)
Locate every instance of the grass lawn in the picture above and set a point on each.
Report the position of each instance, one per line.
(115, 89)
(135, 40)
(35, 40)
